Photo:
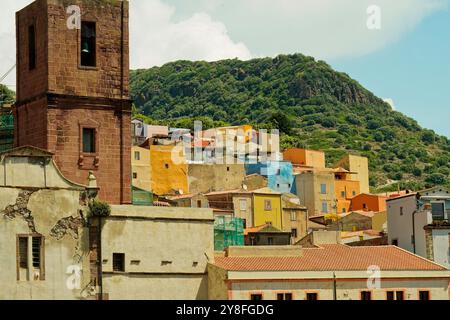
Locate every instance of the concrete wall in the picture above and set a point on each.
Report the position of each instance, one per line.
(346, 290)
(166, 252)
(168, 170)
(309, 191)
(247, 214)
(205, 178)
(142, 168)
(441, 246)
(400, 226)
(45, 205)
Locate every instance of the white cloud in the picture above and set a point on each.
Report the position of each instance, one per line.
(390, 102)
(217, 29)
(157, 39)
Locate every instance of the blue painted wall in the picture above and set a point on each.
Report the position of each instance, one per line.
(279, 174)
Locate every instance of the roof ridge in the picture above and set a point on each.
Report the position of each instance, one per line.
(417, 256)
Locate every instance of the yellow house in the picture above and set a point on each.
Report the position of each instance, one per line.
(267, 208)
(140, 168)
(169, 170)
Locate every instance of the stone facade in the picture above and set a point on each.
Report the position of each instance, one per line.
(60, 97)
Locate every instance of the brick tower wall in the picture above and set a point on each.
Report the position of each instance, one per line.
(76, 97)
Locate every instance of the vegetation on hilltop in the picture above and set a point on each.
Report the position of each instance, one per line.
(313, 106)
(6, 95)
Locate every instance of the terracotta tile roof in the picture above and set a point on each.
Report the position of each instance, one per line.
(335, 257)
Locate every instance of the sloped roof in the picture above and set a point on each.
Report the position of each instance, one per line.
(333, 257)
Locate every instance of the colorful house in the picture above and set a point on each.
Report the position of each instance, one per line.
(359, 168)
(168, 170)
(345, 189)
(305, 158)
(327, 272)
(267, 208)
(140, 168)
(369, 202)
(279, 174)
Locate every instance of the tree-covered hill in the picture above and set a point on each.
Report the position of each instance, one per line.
(313, 106)
(6, 95)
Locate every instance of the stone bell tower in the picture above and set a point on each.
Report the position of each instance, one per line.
(72, 89)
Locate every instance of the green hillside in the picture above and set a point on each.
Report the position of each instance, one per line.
(314, 107)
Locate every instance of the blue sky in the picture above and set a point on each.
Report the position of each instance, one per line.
(406, 60)
(414, 72)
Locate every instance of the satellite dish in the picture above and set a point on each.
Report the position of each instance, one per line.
(245, 187)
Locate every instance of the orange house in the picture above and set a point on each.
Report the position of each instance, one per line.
(303, 157)
(369, 202)
(345, 190)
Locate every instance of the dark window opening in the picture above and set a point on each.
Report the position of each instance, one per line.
(400, 295)
(294, 233)
(270, 241)
(390, 295)
(424, 295)
(31, 47)
(256, 297)
(88, 140)
(366, 295)
(119, 262)
(135, 175)
(395, 242)
(167, 166)
(88, 44)
(199, 203)
(311, 296)
(23, 253)
(284, 296)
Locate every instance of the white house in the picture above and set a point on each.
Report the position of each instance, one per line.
(419, 223)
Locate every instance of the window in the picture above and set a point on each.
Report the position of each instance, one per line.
(395, 242)
(401, 211)
(294, 233)
(437, 210)
(364, 206)
(243, 204)
(424, 295)
(268, 205)
(137, 155)
(270, 241)
(88, 44)
(88, 140)
(311, 296)
(228, 169)
(354, 193)
(284, 296)
(400, 295)
(395, 295)
(324, 207)
(199, 203)
(344, 210)
(167, 166)
(342, 194)
(323, 189)
(23, 252)
(119, 262)
(390, 295)
(135, 176)
(366, 295)
(31, 47)
(256, 297)
(35, 252)
(293, 215)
